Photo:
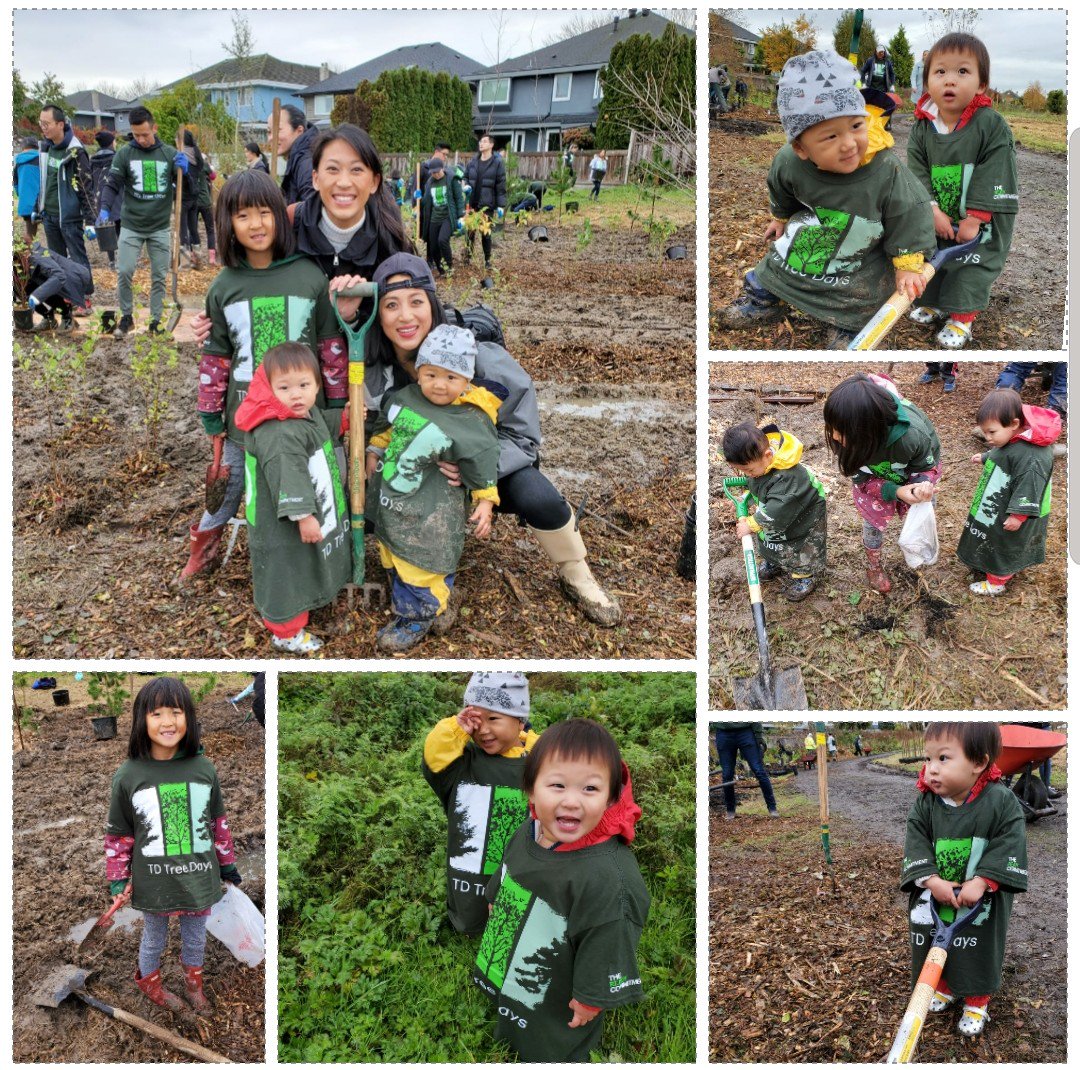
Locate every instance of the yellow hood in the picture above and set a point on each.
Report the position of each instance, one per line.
(482, 398)
(880, 138)
(787, 450)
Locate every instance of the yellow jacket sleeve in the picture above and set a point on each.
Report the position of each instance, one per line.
(381, 440)
(488, 494)
(445, 744)
(909, 262)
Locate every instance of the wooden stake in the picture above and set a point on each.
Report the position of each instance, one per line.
(275, 126)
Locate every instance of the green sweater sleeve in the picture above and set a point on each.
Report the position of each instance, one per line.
(993, 185)
(783, 204)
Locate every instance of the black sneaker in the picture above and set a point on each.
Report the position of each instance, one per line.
(67, 324)
(154, 327)
(125, 326)
(755, 305)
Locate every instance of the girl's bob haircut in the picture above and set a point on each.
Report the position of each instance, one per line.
(251, 189)
(860, 412)
(743, 443)
(163, 691)
(290, 357)
(1003, 405)
(576, 740)
(980, 740)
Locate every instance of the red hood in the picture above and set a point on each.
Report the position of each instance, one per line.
(989, 774)
(619, 819)
(978, 101)
(261, 404)
(1042, 427)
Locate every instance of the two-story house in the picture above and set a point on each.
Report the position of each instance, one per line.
(247, 88)
(528, 101)
(319, 97)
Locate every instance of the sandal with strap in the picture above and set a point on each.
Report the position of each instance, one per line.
(953, 335)
(941, 1001)
(926, 315)
(973, 1021)
(301, 643)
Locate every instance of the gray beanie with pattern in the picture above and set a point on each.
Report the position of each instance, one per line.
(449, 347)
(814, 87)
(500, 692)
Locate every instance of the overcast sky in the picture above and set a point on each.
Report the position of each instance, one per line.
(102, 46)
(1025, 46)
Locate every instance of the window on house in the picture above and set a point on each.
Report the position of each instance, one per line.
(554, 140)
(560, 88)
(323, 104)
(244, 96)
(517, 141)
(493, 91)
(598, 89)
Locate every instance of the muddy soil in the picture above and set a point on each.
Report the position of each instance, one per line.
(59, 884)
(1027, 303)
(878, 800)
(803, 970)
(101, 516)
(930, 643)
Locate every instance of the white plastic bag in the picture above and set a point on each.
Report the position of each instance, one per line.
(235, 920)
(918, 537)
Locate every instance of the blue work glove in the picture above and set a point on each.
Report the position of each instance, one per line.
(33, 302)
(417, 195)
(35, 216)
(500, 212)
(460, 226)
(89, 233)
(467, 189)
(182, 161)
(102, 219)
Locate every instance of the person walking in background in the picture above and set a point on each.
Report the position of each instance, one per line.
(917, 76)
(735, 738)
(26, 181)
(597, 170)
(485, 188)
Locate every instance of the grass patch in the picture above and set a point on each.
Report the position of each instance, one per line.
(368, 966)
(1041, 131)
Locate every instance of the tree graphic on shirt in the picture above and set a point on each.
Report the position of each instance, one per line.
(508, 810)
(815, 244)
(946, 180)
(175, 819)
(497, 944)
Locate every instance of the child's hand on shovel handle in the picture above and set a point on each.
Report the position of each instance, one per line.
(911, 284)
(943, 225)
(123, 897)
(942, 891)
(742, 527)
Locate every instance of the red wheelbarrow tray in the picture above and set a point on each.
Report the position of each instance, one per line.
(1022, 746)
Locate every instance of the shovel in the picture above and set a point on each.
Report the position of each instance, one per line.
(355, 339)
(177, 310)
(70, 980)
(217, 478)
(907, 1036)
(104, 923)
(770, 689)
(885, 318)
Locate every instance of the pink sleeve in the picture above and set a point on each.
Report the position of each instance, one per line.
(334, 361)
(118, 857)
(223, 844)
(213, 382)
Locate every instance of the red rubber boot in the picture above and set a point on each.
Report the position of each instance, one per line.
(152, 988)
(194, 989)
(875, 574)
(204, 550)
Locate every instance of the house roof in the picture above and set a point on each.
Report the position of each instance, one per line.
(495, 121)
(263, 68)
(432, 57)
(588, 50)
(83, 101)
(737, 32)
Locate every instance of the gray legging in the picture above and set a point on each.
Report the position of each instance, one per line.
(155, 936)
(233, 456)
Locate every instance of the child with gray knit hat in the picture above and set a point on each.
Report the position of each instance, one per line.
(474, 761)
(850, 223)
(419, 517)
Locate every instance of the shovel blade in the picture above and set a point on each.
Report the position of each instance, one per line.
(217, 483)
(61, 983)
(174, 320)
(780, 690)
(96, 934)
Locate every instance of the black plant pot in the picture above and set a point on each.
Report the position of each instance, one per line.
(24, 319)
(61, 698)
(676, 252)
(108, 320)
(538, 234)
(104, 727)
(106, 237)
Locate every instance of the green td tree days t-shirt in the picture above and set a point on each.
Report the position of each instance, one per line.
(564, 925)
(169, 808)
(148, 177)
(481, 794)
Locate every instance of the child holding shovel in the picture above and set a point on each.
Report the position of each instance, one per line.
(889, 449)
(568, 901)
(1005, 531)
(263, 296)
(474, 763)
(167, 840)
(790, 517)
(965, 838)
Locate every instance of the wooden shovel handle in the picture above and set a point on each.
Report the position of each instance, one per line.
(174, 1040)
(907, 1036)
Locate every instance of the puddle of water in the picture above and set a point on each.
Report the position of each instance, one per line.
(46, 825)
(619, 410)
(252, 864)
(124, 918)
(568, 475)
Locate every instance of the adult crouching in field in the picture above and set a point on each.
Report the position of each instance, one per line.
(54, 284)
(485, 187)
(296, 136)
(408, 310)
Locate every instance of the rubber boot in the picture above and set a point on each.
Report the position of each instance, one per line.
(567, 552)
(204, 549)
(152, 988)
(875, 574)
(193, 988)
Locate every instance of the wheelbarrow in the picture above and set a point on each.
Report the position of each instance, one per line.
(1023, 750)
(770, 689)
(70, 980)
(355, 336)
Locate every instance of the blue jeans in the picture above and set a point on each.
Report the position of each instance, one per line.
(1016, 373)
(66, 239)
(730, 742)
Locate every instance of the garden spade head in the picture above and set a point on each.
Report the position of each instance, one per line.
(769, 689)
(105, 922)
(217, 482)
(64, 981)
